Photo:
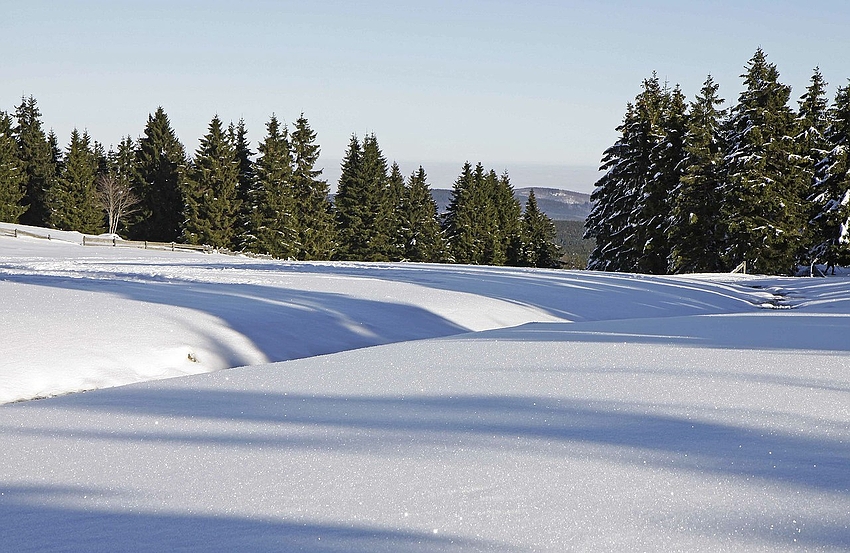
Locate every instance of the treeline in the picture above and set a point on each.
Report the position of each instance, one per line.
(272, 201)
(693, 187)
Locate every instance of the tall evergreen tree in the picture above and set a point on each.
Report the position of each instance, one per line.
(389, 241)
(12, 176)
(360, 202)
(538, 248)
(466, 209)
(272, 226)
(35, 155)
(832, 222)
(694, 231)
(212, 208)
(508, 221)
(247, 179)
(72, 201)
(762, 211)
(312, 208)
(420, 231)
(161, 165)
(664, 177)
(627, 199)
(811, 146)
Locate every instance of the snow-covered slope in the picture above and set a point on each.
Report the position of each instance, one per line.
(499, 409)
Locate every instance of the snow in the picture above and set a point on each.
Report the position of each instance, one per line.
(407, 407)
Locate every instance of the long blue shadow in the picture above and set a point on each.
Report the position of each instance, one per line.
(34, 520)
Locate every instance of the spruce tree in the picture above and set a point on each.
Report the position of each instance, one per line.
(508, 213)
(388, 245)
(212, 208)
(811, 146)
(161, 166)
(12, 176)
(665, 171)
(832, 221)
(694, 231)
(246, 179)
(35, 156)
(463, 217)
(628, 198)
(349, 204)
(421, 236)
(361, 202)
(313, 212)
(270, 209)
(116, 186)
(762, 211)
(72, 201)
(538, 248)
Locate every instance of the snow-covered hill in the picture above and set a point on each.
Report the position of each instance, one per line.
(404, 407)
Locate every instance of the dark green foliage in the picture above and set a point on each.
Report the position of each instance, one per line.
(390, 241)
(361, 201)
(72, 201)
(421, 236)
(576, 249)
(12, 177)
(312, 210)
(212, 208)
(762, 210)
(627, 197)
(270, 205)
(832, 187)
(247, 180)
(694, 230)
(161, 166)
(38, 158)
(482, 220)
(538, 247)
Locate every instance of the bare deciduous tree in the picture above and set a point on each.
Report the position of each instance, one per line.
(117, 198)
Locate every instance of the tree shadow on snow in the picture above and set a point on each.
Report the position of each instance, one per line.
(54, 518)
(283, 323)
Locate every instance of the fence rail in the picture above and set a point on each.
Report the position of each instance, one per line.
(114, 242)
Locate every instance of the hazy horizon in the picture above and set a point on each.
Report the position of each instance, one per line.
(442, 174)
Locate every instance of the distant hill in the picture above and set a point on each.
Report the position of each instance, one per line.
(557, 204)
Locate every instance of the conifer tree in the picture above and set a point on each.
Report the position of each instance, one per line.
(669, 124)
(12, 177)
(389, 243)
(420, 231)
(811, 146)
(161, 166)
(272, 228)
(626, 198)
(694, 231)
(212, 208)
(312, 209)
(508, 221)
(762, 210)
(246, 179)
(538, 248)
(349, 204)
(35, 156)
(360, 202)
(72, 201)
(832, 222)
(463, 215)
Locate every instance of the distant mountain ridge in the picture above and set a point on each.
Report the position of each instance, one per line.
(557, 204)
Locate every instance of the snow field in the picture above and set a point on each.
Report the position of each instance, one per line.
(498, 409)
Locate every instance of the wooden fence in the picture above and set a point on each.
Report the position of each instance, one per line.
(114, 242)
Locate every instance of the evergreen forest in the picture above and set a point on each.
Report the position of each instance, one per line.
(696, 187)
(272, 201)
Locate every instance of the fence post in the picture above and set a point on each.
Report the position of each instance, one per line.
(84, 240)
(113, 241)
(16, 233)
(172, 246)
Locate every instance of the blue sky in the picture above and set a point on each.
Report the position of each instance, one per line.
(516, 85)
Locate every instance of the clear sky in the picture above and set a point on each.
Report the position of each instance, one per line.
(523, 86)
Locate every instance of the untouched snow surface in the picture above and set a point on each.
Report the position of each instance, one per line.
(498, 409)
